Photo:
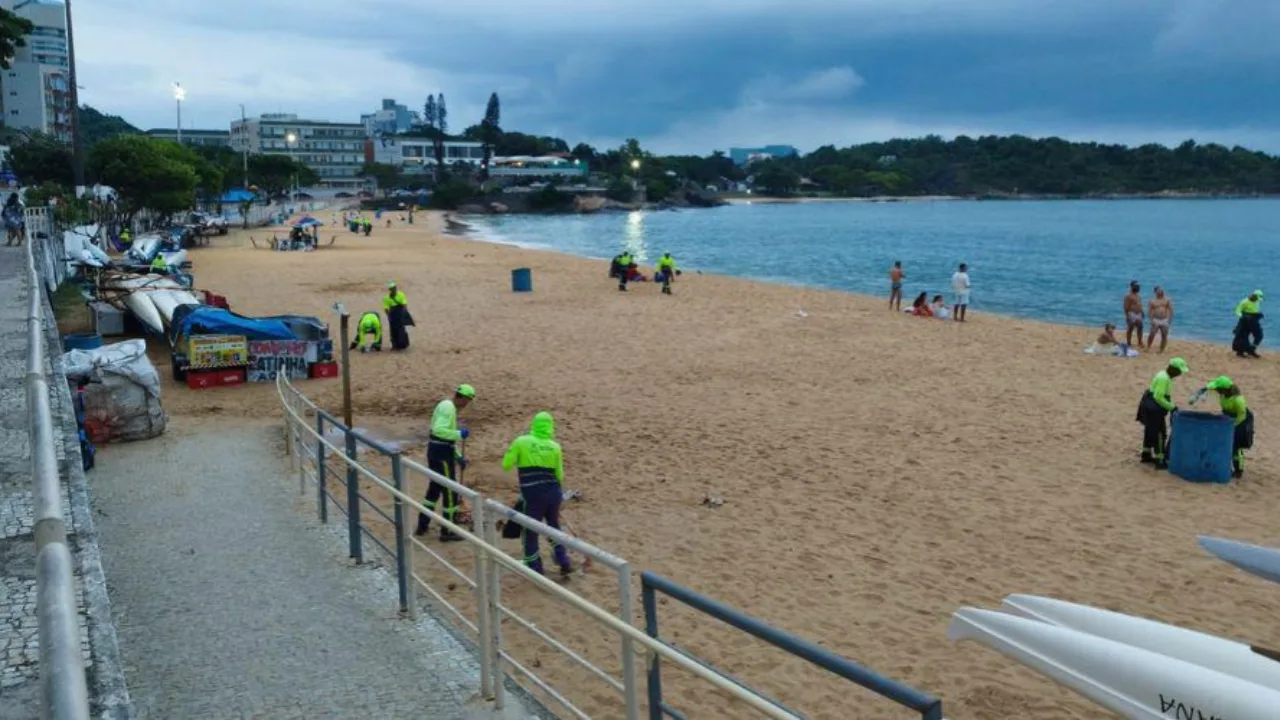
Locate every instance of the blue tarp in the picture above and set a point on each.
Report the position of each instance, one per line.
(237, 196)
(191, 320)
(307, 221)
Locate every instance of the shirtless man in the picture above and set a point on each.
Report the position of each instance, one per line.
(1133, 313)
(1160, 309)
(896, 276)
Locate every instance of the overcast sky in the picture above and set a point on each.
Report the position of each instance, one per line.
(699, 75)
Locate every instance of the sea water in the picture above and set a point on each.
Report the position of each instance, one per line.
(1061, 261)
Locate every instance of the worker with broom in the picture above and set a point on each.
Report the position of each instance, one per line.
(539, 465)
(444, 457)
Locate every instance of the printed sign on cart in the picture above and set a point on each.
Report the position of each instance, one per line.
(269, 357)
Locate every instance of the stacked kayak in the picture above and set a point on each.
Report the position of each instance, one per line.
(152, 299)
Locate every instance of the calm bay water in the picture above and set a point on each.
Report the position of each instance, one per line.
(1061, 261)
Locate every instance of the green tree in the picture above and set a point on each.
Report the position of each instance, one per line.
(13, 33)
(387, 177)
(277, 173)
(490, 128)
(37, 158)
(775, 178)
(450, 194)
(621, 190)
(441, 134)
(145, 173)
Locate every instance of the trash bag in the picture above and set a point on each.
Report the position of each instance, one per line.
(122, 390)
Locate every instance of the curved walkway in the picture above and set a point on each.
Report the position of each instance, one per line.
(233, 603)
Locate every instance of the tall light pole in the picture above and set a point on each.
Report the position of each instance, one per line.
(178, 95)
(244, 131)
(289, 140)
(77, 143)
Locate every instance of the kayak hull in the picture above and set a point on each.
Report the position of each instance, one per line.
(1130, 681)
(1253, 559)
(1215, 653)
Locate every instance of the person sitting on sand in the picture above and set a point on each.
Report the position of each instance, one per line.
(940, 309)
(1108, 335)
(920, 306)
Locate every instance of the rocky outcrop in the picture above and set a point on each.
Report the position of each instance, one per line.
(472, 209)
(585, 204)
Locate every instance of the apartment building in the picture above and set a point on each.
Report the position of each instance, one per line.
(208, 138)
(391, 119)
(336, 151)
(35, 92)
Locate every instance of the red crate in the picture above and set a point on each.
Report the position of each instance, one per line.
(214, 300)
(323, 370)
(200, 379)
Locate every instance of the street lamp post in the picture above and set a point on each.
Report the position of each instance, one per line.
(635, 175)
(290, 141)
(178, 95)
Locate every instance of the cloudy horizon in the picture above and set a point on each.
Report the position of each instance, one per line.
(696, 77)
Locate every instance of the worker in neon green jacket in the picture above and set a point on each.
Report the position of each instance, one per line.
(667, 269)
(539, 465)
(1153, 412)
(1248, 332)
(370, 325)
(444, 457)
(396, 306)
(1233, 405)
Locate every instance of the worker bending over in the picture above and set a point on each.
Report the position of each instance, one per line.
(1234, 406)
(368, 330)
(444, 456)
(667, 268)
(539, 465)
(1153, 413)
(1248, 332)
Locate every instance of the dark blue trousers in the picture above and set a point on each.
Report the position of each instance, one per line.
(542, 503)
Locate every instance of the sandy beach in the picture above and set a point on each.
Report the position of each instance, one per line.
(877, 470)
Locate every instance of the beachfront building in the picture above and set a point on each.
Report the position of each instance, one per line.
(392, 119)
(418, 156)
(35, 92)
(334, 150)
(742, 156)
(548, 167)
(207, 138)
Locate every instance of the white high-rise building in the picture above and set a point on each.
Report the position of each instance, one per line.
(334, 150)
(35, 92)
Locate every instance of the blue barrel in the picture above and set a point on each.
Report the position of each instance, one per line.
(522, 280)
(82, 341)
(1200, 446)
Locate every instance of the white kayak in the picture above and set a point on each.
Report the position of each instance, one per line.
(1130, 681)
(1253, 559)
(1215, 653)
(167, 301)
(143, 308)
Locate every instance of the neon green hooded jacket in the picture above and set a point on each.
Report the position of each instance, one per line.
(536, 456)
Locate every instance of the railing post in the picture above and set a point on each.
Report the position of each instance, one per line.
(322, 503)
(480, 528)
(494, 579)
(402, 559)
(655, 668)
(353, 499)
(630, 693)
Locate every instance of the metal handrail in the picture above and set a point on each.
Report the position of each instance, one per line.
(493, 559)
(63, 686)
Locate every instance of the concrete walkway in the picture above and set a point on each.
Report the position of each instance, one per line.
(232, 602)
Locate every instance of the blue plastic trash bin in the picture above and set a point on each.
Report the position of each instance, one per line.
(522, 280)
(1200, 446)
(82, 341)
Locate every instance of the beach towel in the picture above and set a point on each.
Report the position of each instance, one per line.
(1123, 351)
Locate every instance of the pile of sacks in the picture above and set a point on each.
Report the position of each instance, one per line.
(121, 391)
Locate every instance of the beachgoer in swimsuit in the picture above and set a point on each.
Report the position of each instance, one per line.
(1108, 335)
(896, 276)
(1161, 311)
(1133, 313)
